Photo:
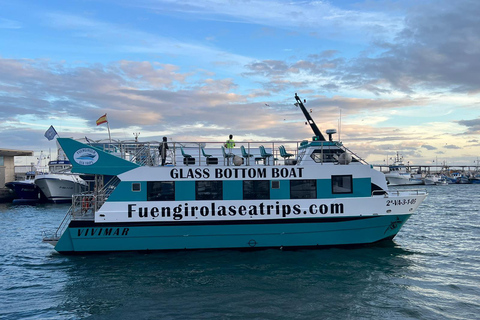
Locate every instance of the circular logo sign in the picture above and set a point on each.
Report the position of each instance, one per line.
(85, 156)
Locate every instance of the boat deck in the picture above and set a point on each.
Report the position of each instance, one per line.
(214, 153)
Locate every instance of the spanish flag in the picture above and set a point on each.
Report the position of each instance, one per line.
(102, 119)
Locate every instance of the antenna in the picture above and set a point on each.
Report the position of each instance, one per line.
(340, 126)
(136, 134)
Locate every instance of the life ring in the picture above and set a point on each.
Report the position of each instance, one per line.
(85, 204)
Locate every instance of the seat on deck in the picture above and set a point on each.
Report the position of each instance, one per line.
(227, 156)
(187, 158)
(207, 156)
(284, 154)
(246, 155)
(266, 156)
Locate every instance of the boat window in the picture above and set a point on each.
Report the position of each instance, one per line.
(160, 191)
(325, 155)
(377, 190)
(303, 189)
(136, 187)
(256, 189)
(209, 190)
(342, 184)
(276, 184)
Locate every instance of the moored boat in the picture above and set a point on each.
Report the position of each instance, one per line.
(59, 185)
(431, 179)
(324, 196)
(26, 192)
(442, 181)
(400, 175)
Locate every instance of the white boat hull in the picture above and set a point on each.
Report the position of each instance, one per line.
(402, 180)
(60, 187)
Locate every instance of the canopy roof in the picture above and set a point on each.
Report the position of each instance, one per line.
(13, 153)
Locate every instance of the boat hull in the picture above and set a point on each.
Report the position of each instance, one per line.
(401, 181)
(59, 188)
(25, 192)
(84, 237)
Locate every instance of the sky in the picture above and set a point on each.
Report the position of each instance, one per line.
(390, 76)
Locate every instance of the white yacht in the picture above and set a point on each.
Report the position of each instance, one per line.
(60, 184)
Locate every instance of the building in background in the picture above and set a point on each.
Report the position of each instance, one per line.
(7, 170)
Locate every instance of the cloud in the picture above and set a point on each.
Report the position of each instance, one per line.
(429, 147)
(133, 96)
(9, 24)
(451, 146)
(305, 15)
(473, 126)
(439, 47)
(118, 38)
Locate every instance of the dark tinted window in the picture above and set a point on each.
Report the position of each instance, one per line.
(160, 191)
(303, 189)
(256, 189)
(342, 184)
(209, 190)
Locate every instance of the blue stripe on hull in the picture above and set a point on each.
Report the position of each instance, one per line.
(138, 238)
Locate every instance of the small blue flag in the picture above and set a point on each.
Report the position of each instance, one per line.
(50, 133)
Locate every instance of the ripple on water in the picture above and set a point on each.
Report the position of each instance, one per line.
(429, 271)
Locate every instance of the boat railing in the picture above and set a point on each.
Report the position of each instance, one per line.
(64, 224)
(211, 153)
(376, 193)
(108, 188)
(404, 192)
(356, 155)
(145, 155)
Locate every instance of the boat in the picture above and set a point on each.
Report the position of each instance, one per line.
(26, 192)
(459, 178)
(59, 185)
(315, 193)
(431, 179)
(400, 175)
(442, 181)
(475, 179)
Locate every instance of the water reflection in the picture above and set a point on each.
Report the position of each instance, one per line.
(202, 284)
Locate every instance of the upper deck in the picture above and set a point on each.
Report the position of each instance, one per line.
(245, 153)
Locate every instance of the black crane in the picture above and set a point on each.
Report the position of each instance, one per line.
(318, 135)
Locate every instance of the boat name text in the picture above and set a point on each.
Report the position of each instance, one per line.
(213, 210)
(236, 173)
(103, 232)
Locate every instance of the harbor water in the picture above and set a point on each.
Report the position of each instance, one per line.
(431, 270)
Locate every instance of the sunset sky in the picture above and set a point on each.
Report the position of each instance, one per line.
(404, 75)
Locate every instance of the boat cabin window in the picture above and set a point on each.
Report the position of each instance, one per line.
(303, 189)
(325, 155)
(342, 184)
(136, 187)
(256, 189)
(209, 190)
(160, 191)
(276, 184)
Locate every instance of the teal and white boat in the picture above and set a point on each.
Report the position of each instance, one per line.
(307, 194)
